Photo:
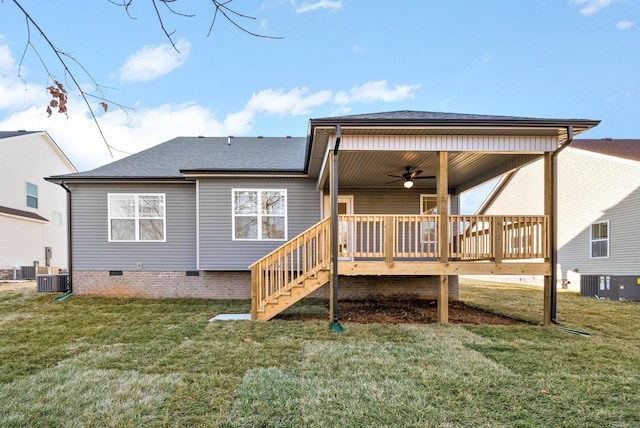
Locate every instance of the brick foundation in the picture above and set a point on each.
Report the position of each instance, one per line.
(160, 285)
(237, 285)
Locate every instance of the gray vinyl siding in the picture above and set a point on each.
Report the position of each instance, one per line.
(392, 202)
(92, 249)
(218, 250)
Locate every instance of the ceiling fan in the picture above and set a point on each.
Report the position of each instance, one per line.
(409, 176)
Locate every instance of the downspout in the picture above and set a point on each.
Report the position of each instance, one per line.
(69, 258)
(554, 227)
(335, 326)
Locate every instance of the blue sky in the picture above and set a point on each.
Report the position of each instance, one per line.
(533, 58)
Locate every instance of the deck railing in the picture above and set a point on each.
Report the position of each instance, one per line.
(395, 239)
(418, 236)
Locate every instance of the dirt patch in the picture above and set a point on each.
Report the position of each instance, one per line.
(17, 285)
(408, 312)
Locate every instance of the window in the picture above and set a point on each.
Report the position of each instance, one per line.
(259, 214)
(56, 218)
(137, 217)
(429, 206)
(600, 240)
(32, 195)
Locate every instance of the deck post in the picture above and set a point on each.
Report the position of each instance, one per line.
(389, 238)
(442, 184)
(498, 233)
(255, 272)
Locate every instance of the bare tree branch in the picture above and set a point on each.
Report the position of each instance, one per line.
(223, 8)
(220, 6)
(58, 92)
(58, 53)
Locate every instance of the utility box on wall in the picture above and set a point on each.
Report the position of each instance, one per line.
(623, 287)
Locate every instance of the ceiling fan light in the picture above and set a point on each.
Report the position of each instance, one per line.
(408, 184)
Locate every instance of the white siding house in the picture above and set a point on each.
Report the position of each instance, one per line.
(33, 212)
(598, 206)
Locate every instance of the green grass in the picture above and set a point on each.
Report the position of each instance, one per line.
(87, 362)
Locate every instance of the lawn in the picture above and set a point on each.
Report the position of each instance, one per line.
(85, 362)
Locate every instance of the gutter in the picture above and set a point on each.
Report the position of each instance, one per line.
(69, 257)
(335, 325)
(554, 227)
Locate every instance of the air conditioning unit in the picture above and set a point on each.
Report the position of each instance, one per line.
(28, 272)
(57, 283)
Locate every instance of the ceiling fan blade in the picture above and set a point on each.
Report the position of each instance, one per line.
(428, 177)
(394, 181)
(414, 173)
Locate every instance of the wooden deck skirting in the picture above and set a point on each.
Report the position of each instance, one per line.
(399, 245)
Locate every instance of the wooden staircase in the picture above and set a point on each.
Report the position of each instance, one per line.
(291, 272)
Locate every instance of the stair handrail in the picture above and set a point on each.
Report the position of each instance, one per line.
(290, 264)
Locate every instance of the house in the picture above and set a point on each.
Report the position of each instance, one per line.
(367, 204)
(33, 212)
(598, 201)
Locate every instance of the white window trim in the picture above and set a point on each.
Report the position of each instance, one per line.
(137, 218)
(423, 196)
(608, 240)
(27, 194)
(259, 191)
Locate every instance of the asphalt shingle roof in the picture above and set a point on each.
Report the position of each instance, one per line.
(21, 213)
(9, 134)
(207, 154)
(622, 148)
(411, 115)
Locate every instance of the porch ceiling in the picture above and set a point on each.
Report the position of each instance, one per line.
(466, 170)
(371, 168)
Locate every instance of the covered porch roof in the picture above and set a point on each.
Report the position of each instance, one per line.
(376, 146)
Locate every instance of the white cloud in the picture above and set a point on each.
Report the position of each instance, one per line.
(376, 91)
(589, 7)
(486, 57)
(358, 49)
(154, 61)
(22, 106)
(16, 94)
(7, 63)
(79, 138)
(297, 101)
(624, 25)
(321, 4)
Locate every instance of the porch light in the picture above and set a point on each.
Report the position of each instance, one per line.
(408, 184)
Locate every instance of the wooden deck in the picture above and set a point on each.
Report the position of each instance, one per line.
(399, 245)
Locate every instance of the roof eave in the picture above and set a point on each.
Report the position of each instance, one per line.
(68, 179)
(515, 122)
(244, 173)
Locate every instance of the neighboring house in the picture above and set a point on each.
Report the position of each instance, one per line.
(224, 217)
(33, 212)
(598, 205)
